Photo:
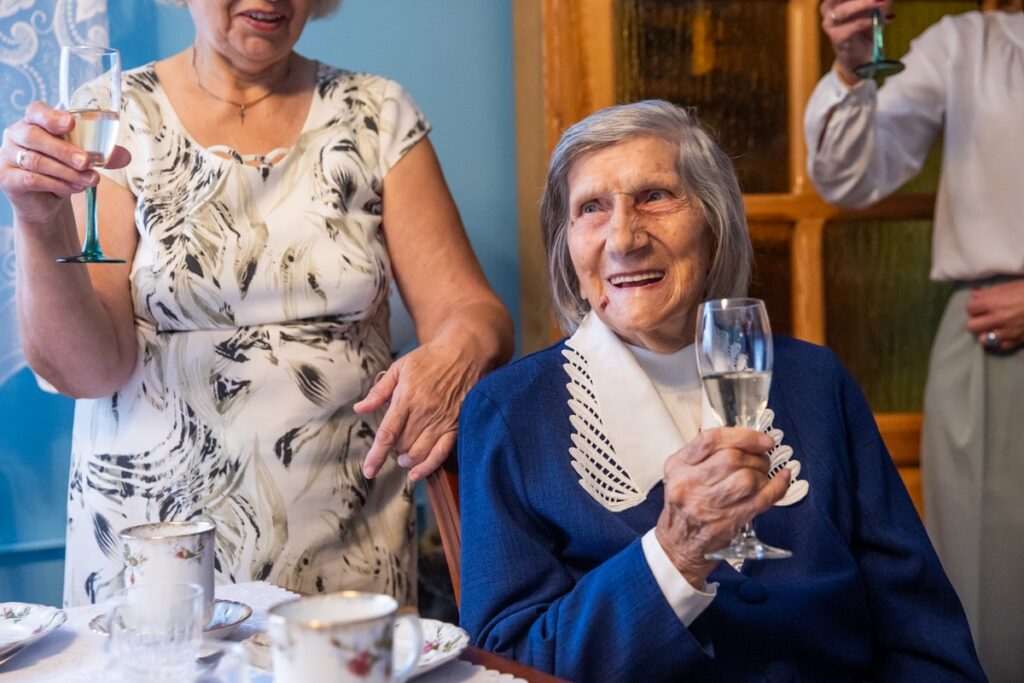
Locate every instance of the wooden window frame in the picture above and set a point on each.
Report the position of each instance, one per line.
(565, 70)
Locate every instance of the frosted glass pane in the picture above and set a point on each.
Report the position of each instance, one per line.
(881, 311)
(725, 58)
(772, 277)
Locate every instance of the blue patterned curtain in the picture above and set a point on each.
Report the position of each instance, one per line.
(31, 33)
(35, 428)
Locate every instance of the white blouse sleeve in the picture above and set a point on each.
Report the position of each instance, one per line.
(402, 125)
(686, 601)
(863, 143)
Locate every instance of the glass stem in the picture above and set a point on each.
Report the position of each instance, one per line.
(878, 51)
(91, 247)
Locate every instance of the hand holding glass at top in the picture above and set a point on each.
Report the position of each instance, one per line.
(50, 153)
(855, 28)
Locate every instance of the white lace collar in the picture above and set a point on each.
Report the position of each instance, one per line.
(622, 432)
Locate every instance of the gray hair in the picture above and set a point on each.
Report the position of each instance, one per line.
(705, 172)
(321, 8)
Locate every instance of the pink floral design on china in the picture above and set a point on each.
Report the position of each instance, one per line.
(360, 661)
(133, 564)
(183, 553)
(439, 644)
(9, 614)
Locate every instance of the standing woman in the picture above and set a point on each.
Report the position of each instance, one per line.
(964, 79)
(238, 366)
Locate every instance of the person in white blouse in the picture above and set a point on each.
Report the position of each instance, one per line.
(964, 80)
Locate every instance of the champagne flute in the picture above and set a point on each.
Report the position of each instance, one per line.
(90, 91)
(878, 64)
(734, 357)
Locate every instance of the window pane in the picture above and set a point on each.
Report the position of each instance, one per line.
(881, 311)
(772, 278)
(725, 58)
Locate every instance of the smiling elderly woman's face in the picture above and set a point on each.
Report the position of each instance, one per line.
(638, 243)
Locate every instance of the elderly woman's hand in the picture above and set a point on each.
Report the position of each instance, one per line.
(998, 309)
(423, 392)
(847, 23)
(39, 169)
(713, 486)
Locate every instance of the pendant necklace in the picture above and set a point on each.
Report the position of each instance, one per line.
(241, 105)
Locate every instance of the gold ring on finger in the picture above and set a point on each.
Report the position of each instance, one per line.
(19, 159)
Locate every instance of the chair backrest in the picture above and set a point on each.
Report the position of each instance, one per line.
(443, 492)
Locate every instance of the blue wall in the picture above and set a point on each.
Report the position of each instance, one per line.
(454, 56)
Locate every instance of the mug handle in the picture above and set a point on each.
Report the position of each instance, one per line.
(410, 615)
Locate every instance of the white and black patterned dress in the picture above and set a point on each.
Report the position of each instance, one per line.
(260, 295)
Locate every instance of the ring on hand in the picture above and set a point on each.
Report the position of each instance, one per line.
(19, 159)
(991, 340)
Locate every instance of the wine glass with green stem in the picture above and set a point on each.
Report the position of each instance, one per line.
(879, 65)
(90, 91)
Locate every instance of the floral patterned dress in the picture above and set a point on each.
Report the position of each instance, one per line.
(260, 291)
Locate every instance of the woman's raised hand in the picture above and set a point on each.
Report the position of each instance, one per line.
(848, 25)
(713, 486)
(39, 169)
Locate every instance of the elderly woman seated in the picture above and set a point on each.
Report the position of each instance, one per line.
(593, 481)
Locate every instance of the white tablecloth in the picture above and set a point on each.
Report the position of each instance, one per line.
(74, 654)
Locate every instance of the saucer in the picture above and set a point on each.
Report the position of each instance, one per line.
(442, 642)
(22, 623)
(227, 616)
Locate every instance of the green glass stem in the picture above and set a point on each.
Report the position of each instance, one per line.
(91, 247)
(878, 50)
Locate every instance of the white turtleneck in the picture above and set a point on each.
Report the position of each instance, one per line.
(677, 381)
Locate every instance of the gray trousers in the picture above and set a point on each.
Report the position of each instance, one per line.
(972, 461)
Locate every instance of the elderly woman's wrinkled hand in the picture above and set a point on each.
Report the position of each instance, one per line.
(39, 169)
(995, 315)
(713, 486)
(848, 24)
(423, 392)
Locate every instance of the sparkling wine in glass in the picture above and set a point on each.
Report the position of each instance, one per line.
(90, 91)
(734, 356)
(878, 65)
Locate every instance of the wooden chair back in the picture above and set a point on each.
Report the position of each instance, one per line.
(443, 492)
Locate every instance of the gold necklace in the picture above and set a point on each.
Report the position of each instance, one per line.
(241, 105)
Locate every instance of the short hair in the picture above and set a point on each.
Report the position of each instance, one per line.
(705, 172)
(321, 8)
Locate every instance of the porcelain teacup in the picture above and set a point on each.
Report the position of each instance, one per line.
(341, 637)
(171, 552)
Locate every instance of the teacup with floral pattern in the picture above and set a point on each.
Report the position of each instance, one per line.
(344, 637)
(171, 552)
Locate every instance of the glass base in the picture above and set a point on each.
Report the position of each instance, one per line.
(89, 258)
(882, 67)
(748, 548)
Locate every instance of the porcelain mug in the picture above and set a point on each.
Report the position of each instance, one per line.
(171, 552)
(344, 637)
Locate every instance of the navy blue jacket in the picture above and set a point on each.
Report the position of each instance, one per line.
(556, 581)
